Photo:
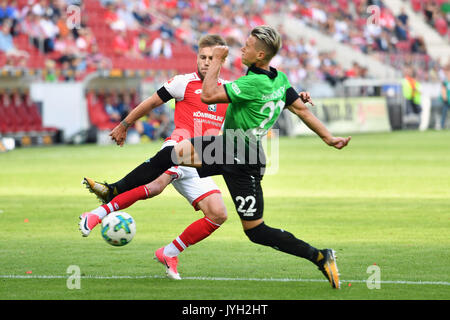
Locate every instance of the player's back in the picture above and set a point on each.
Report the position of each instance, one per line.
(257, 100)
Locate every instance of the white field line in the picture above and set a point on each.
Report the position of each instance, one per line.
(442, 283)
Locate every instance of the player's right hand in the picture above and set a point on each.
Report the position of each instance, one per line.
(339, 142)
(119, 134)
(220, 52)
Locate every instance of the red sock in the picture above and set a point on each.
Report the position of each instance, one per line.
(194, 233)
(126, 199)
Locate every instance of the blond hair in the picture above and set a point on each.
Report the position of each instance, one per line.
(269, 38)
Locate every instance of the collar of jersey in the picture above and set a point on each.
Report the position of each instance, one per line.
(272, 74)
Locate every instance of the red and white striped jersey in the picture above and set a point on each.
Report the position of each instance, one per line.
(192, 117)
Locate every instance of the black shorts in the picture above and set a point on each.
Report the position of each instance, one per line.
(242, 177)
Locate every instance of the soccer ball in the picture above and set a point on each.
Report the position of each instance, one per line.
(118, 228)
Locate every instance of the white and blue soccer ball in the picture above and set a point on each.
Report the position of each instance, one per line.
(118, 228)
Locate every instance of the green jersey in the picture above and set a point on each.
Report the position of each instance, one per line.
(257, 100)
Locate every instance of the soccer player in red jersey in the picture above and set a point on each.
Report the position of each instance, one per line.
(192, 118)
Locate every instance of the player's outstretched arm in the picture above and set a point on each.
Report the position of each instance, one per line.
(302, 111)
(119, 133)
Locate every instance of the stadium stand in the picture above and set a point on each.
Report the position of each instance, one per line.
(128, 38)
(436, 14)
(21, 117)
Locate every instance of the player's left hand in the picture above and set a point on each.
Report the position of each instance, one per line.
(306, 97)
(339, 142)
(119, 135)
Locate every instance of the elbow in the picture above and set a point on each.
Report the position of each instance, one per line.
(205, 98)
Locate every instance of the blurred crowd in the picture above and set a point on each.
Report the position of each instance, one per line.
(150, 28)
(436, 14)
(388, 38)
(42, 26)
(108, 107)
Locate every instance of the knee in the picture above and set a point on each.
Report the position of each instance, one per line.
(217, 214)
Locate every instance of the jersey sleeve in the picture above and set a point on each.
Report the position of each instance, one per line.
(242, 89)
(291, 96)
(175, 87)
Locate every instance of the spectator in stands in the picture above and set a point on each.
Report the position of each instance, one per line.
(30, 26)
(67, 49)
(112, 18)
(96, 60)
(9, 13)
(403, 16)
(49, 72)
(401, 30)
(445, 96)
(126, 15)
(383, 42)
(161, 47)
(141, 15)
(67, 71)
(353, 72)
(49, 32)
(121, 46)
(84, 40)
(39, 8)
(115, 108)
(7, 44)
(155, 125)
(418, 45)
(142, 45)
(429, 10)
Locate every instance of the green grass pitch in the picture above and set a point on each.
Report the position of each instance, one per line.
(383, 200)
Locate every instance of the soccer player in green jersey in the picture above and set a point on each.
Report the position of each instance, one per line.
(256, 100)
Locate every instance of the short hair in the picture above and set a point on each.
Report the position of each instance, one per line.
(269, 38)
(211, 40)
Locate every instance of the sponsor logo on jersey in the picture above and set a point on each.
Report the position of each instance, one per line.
(198, 91)
(235, 88)
(274, 95)
(199, 114)
(212, 107)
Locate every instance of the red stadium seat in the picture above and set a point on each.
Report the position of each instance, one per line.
(404, 46)
(97, 114)
(441, 26)
(5, 126)
(416, 5)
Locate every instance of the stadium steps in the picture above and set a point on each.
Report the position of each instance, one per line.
(437, 46)
(345, 55)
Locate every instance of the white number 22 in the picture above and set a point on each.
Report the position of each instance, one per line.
(273, 107)
(251, 208)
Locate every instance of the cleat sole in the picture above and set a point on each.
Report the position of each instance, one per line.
(88, 186)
